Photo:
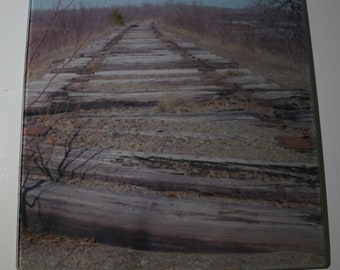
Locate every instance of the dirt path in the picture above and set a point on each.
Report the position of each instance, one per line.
(179, 145)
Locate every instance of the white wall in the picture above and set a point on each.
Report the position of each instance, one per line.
(13, 18)
(325, 32)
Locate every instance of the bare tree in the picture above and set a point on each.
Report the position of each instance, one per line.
(53, 159)
(42, 157)
(287, 17)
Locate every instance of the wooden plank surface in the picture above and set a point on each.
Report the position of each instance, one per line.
(144, 174)
(151, 222)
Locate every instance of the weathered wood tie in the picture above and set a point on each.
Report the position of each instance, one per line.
(156, 222)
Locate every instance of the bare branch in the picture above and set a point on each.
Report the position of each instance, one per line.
(56, 13)
(87, 160)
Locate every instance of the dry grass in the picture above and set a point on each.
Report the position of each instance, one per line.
(277, 68)
(57, 34)
(45, 62)
(173, 103)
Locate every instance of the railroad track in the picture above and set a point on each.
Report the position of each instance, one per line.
(180, 150)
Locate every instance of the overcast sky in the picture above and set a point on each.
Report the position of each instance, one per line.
(45, 4)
